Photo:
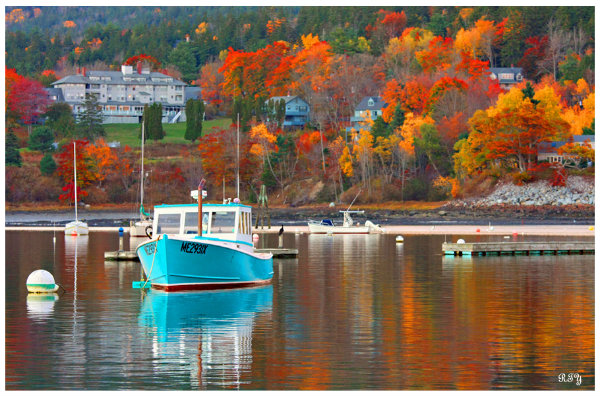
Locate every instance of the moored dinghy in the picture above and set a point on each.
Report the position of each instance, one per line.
(203, 247)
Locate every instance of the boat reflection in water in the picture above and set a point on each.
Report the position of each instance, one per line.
(210, 332)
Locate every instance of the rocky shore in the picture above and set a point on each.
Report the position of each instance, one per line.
(535, 203)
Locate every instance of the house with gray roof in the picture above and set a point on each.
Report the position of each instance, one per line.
(548, 151)
(369, 106)
(297, 111)
(506, 76)
(123, 94)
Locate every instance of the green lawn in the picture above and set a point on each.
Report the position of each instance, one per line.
(128, 134)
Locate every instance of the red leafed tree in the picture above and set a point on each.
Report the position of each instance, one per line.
(393, 23)
(414, 96)
(85, 173)
(471, 68)
(538, 46)
(27, 99)
(142, 57)
(437, 56)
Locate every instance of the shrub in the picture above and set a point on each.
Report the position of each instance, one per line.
(47, 165)
(415, 190)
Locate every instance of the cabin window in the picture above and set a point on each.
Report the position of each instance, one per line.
(168, 223)
(248, 223)
(191, 223)
(223, 222)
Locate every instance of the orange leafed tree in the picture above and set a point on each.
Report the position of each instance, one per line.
(211, 83)
(102, 160)
(510, 133)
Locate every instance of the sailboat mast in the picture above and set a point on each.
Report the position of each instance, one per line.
(237, 172)
(142, 176)
(75, 176)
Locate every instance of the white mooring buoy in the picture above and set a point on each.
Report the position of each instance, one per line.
(399, 239)
(460, 241)
(41, 281)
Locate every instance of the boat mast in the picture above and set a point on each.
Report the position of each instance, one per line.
(237, 172)
(142, 176)
(75, 176)
(353, 200)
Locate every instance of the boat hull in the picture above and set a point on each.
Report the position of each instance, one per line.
(76, 228)
(138, 228)
(323, 229)
(173, 262)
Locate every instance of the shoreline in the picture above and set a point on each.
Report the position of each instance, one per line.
(470, 229)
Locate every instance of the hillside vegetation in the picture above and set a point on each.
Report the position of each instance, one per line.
(447, 128)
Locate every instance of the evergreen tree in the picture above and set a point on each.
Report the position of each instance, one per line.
(380, 128)
(59, 118)
(12, 155)
(90, 121)
(41, 139)
(152, 119)
(398, 119)
(280, 112)
(47, 165)
(194, 112)
(529, 93)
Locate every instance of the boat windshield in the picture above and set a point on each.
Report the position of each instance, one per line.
(223, 222)
(168, 223)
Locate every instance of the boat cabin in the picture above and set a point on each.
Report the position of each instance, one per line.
(231, 222)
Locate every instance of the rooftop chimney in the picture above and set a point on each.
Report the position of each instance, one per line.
(139, 67)
(83, 70)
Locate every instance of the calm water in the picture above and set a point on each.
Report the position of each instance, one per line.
(351, 312)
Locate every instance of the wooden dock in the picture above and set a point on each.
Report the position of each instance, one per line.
(279, 252)
(517, 248)
(121, 255)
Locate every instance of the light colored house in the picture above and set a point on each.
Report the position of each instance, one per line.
(506, 76)
(372, 105)
(297, 111)
(123, 94)
(549, 151)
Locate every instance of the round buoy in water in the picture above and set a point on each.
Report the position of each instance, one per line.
(460, 241)
(399, 239)
(41, 281)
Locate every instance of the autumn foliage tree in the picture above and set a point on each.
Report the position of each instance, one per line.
(65, 170)
(25, 99)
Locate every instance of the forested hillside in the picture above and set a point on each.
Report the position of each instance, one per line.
(447, 129)
(39, 38)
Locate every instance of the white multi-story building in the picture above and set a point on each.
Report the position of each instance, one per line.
(123, 94)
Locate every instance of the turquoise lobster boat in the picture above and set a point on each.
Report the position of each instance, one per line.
(217, 252)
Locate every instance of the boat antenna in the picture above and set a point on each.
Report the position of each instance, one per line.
(353, 200)
(200, 188)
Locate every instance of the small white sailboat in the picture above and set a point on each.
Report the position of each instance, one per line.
(76, 227)
(142, 227)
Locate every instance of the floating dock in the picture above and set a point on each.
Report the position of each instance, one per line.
(517, 248)
(121, 255)
(279, 252)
